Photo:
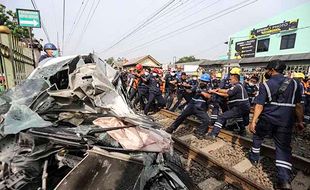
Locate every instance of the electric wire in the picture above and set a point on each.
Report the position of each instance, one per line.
(75, 22)
(43, 25)
(88, 20)
(193, 25)
(145, 23)
(158, 29)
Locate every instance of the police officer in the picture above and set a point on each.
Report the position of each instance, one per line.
(182, 85)
(170, 87)
(197, 106)
(277, 103)
(216, 100)
(238, 104)
(143, 89)
(154, 81)
(132, 85)
(252, 88)
(307, 101)
(193, 82)
(299, 77)
(49, 49)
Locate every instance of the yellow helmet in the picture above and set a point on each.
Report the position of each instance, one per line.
(195, 74)
(235, 71)
(299, 75)
(218, 75)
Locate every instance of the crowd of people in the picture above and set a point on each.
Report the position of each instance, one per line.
(280, 103)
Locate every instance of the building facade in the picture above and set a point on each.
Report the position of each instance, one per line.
(146, 61)
(16, 61)
(287, 33)
(285, 37)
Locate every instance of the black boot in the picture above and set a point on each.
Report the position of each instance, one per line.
(170, 129)
(283, 185)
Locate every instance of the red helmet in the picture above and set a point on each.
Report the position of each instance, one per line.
(139, 67)
(155, 70)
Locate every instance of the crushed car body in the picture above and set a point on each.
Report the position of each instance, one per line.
(69, 126)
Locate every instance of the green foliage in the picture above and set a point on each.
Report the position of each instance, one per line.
(9, 19)
(186, 59)
(110, 60)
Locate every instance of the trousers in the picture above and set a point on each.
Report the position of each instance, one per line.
(201, 114)
(152, 97)
(282, 138)
(234, 112)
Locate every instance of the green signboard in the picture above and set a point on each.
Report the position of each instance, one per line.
(28, 18)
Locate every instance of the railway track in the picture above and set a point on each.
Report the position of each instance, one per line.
(228, 157)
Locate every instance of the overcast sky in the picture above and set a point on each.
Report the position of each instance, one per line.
(162, 36)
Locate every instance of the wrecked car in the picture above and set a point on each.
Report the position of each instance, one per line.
(68, 126)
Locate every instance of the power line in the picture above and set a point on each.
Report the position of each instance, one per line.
(146, 22)
(74, 22)
(172, 13)
(183, 18)
(63, 25)
(78, 20)
(88, 20)
(168, 13)
(209, 48)
(43, 25)
(193, 25)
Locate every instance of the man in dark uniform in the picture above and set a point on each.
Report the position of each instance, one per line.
(193, 82)
(219, 102)
(197, 106)
(49, 49)
(182, 85)
(143, 89)
(154, 81)
(307, 101)
(276, 110)
(170, 87)
(252, 88)
(238, 105)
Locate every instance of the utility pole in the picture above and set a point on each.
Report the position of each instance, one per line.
(32, 51)
(63, 26)
(58, 46)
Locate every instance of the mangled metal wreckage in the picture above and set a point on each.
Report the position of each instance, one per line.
(68, 126)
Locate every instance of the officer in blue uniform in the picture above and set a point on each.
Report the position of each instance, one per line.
(197, 106)
(219, 102)
(49, 50)
(277, 103)
(154, 82)
(252, 88)
(143, 89)
(182, 85)
(238, 105)
(170, 87)
(307, 101)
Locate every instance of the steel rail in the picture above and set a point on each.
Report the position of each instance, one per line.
(226, 174)
(298, 162)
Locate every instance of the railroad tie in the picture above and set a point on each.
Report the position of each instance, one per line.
(187, 137)
(211, 183)
(218, 144)
(243, 165)
(301, 181)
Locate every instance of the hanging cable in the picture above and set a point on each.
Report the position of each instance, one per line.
(75, 22)
(43, 25)
(193, 25)
(88, 20)
(146, 22)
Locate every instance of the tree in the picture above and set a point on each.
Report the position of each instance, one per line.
(185, 59)
(110, 60)
(9, 19)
